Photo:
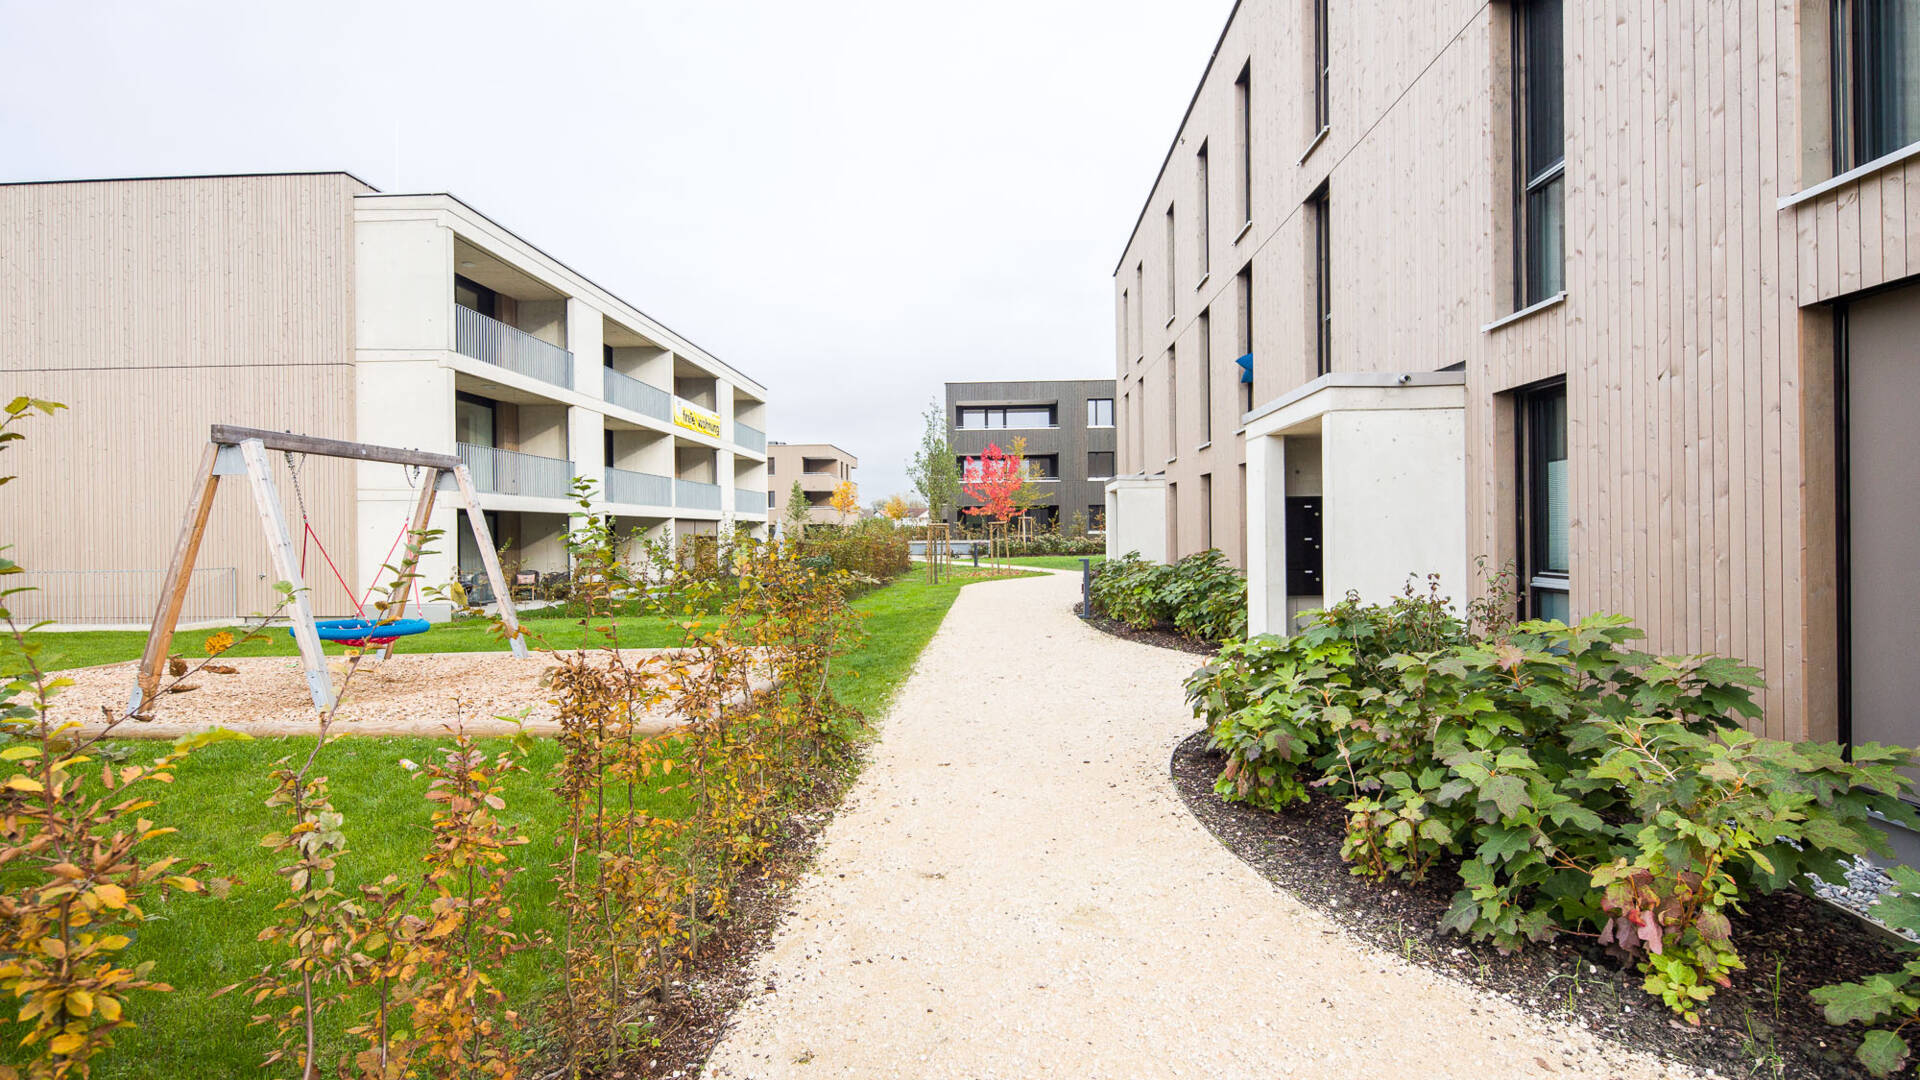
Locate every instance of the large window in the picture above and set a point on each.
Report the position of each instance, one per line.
(1099, 464)
(1243, 128)
(1243, 289)
(473, 420)
(1173, 261)
(1876, 79)
(474, 296)
(1540, 148)
(1042, 466)
(1206, 511)
(1544, 534)
(1139, 311)
(1100, 412)
(1320, 218)
(993, 417)
(1204, 238)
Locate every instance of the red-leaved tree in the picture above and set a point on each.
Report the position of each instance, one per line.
(996, 481)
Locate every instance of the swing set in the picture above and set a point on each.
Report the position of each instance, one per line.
(237, 451)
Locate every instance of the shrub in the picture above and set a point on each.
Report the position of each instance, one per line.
(1200, 596)
(1581, 785)
(1893, 997)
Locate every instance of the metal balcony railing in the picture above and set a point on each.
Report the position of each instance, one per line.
(494, 342)
(750, 437)
(508, 472)
(749, 501)
(641, 489)
(694, 495)
(642, 397)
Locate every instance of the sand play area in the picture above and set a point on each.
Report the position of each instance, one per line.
(420, 694)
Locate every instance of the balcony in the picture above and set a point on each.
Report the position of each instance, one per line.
(750, 437)
(638, 488)
(508, 472)
(642, 397)
(820, 481)
(749, 501)
(491, 341)
(694, 495)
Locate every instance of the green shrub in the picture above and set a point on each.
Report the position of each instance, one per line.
(1200, 596)
(1580, 785)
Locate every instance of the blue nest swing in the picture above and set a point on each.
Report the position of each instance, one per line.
(368, 631)
(359, 630)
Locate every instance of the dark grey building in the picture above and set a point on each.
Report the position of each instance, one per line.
(1068, 425)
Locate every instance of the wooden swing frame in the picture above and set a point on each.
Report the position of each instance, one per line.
(237, 451)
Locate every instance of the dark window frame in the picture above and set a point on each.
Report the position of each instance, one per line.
(1865, 93)
(1540, 161)
(1322, 65)
(1093, 412)
(1203, 386)
(1093, 472)
(1243, 126)
(1204, 240)
(1534, 442)
(486, 301)
(1321, 207)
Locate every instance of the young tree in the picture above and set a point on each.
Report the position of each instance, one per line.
(845, 499)
(894, 508)
(797, 512)
(998, 483)
(935, 470)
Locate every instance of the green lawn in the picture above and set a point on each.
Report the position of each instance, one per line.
(201, 944)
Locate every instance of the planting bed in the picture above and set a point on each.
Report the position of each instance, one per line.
(1764, 1025)
(1163, 637)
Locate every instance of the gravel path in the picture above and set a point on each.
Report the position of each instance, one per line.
(1015, 890)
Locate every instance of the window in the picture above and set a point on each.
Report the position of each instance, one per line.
(1100, 412)
(984, 417)
(1540, 150)
(1203, 389)
(474, 296)
(1042, 466)
(473, 420)
(1139, 311)
(1203, 238)
(1206, 511)
(770, 464)
(1173, 404)
(1173, 260)
(1243, 289)
(1320, 220)
(1876, 79)
(607, 439)
(1544, 532)
(1097, 516)
(1099, 464)
(1322, 107)
(1243, 127)
(1126, 323)
(1126, 401)
(606, 356)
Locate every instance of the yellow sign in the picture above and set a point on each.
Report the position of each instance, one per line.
(694, 418)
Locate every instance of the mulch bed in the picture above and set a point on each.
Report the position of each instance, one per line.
(692, 1023)
(1764, 1025)
(1163, 636)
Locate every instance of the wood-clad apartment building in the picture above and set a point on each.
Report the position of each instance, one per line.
(312, 303)
(1621, 293)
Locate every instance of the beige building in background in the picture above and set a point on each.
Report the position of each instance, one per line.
(314, 304)
(1621, 295)
(819, 467)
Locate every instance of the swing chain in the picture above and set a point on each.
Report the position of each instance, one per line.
(299, 496)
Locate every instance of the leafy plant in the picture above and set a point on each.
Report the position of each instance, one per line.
(1888, 1003)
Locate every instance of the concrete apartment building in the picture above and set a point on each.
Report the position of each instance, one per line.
(315, 304)
(1069, 428)
(1622, 295)
(819, 467)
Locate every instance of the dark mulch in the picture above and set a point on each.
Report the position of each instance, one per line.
(1764, 1025)
(1163, 636)
(691, 1024)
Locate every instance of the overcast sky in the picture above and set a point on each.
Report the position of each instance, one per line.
(852, 201)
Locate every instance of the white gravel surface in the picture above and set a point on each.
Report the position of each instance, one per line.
(1014, 890)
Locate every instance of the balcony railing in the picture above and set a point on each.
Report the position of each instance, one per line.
(694, 495)
(494, 342)
(749, 501)
(642, 397)
(750, 437)
(508, 472)
(642, 489)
